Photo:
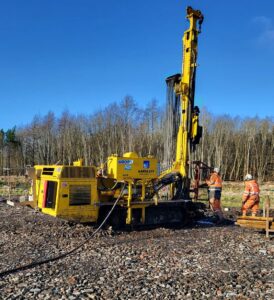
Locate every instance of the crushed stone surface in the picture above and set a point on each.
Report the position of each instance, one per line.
(208, 262)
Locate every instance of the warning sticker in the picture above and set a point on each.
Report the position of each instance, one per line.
(125, 161)
(128, 167)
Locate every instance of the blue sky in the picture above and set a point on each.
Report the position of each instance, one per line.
(81, 55)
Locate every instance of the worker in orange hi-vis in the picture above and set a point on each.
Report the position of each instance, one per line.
(251, 197)
(214, 193)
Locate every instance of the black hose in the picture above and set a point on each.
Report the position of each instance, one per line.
(60, 256)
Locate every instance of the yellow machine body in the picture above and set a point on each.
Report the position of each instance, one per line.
(131, 167)
(78, 193)
(68, 192)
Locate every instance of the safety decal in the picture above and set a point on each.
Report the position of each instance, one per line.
(146, 164)
(125, 161)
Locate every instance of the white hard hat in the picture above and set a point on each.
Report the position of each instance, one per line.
(216, 170)
(248, 177)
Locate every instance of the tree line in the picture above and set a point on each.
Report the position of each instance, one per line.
(236, 145)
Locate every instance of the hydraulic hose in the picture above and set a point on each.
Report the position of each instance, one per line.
(107, 188)
(63, 255)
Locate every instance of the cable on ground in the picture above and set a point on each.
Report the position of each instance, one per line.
(63, 255)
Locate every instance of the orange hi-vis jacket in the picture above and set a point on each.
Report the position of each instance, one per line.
(251, 190)
(215, 182)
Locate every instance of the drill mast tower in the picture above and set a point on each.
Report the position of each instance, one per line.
(189, 131)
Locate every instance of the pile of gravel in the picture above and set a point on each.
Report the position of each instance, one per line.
(209, 262)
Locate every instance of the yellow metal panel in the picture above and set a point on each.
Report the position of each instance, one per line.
(195, 124)
(129, 168)
(62, 208)
(49, 211)
(78, 163)
(80, 213)
(40, 192)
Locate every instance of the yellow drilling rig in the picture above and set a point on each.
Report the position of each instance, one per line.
(86, 193)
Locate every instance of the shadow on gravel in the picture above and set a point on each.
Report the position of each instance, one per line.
(205, 222)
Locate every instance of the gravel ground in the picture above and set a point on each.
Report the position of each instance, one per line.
(223, 262)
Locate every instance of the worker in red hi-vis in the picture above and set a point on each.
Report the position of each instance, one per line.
(251, 197)
(214, 193)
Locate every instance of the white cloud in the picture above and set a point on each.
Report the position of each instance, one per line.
(266, 28)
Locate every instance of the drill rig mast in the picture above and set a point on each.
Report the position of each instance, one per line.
(189, 131)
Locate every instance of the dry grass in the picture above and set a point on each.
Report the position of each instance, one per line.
(14, 185)
(231, 194)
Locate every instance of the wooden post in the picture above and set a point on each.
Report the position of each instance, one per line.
(267, 208)
(9, 202)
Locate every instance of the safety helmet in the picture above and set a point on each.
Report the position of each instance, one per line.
(248, 177)
(216, 170)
